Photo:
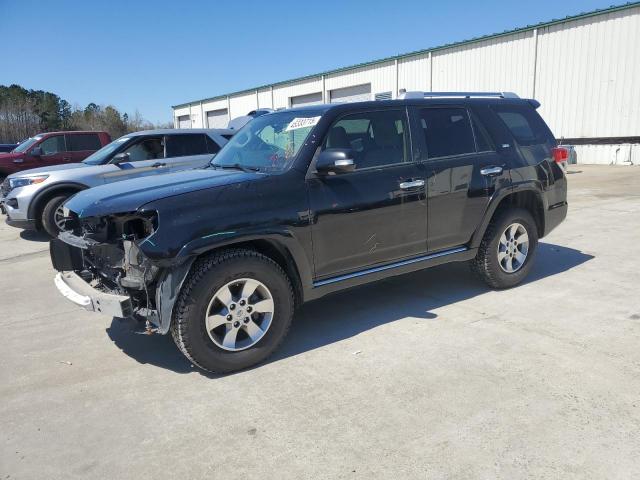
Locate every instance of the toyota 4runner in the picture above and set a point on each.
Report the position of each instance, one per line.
(308, 201)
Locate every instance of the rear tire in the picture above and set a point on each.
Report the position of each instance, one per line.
(51, 214)
(214, 302)
(508, 249)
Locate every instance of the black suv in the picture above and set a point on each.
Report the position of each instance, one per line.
(308, 201)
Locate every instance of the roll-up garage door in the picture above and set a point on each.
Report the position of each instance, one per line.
(217, 118)
(357, 93)
(184, 121)
(308, 99)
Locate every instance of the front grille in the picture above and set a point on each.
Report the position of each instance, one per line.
(5, 187)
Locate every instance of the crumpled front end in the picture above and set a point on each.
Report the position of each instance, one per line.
(103, 269)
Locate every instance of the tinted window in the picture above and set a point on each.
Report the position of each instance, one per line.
(447, 131)
(52, 145)
(376, 138)
(483, 140)
(181, 145)
(147, 149)
(79, 143)
(212, 147)
(227, 136)
(525, 124)
(519, 126)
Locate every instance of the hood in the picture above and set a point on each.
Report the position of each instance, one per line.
(130, 195)
(52, 168)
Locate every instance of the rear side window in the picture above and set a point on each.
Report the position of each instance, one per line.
(227, 136)
(212, 146)
(78, 143)
(182, 145)
(524, 124)
(447, 131)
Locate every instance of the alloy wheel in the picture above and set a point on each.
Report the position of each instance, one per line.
(239, 314)
(513, 248)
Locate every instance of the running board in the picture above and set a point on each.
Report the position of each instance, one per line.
(389, 266)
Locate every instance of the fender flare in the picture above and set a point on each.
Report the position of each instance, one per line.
(173, 277)
(34, 204)
(282, 239)
(496, 201)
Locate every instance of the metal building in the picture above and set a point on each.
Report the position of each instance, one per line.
(584, 69)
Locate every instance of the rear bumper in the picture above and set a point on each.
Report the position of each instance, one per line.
(555, 215)
(77, 291)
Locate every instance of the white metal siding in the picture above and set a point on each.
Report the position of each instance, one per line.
(585, 72)
(499, 64)
(282, 93)
(357, 93)
(414, 73)
(217, 118)
(243, 104)
(588, 77)
(307, 99)
(620, 154)
(381, 76)
(184, 121)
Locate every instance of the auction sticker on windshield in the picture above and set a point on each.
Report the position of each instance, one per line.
(297, 123)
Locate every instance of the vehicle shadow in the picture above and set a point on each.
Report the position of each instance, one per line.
(319, 323)
(34, 236)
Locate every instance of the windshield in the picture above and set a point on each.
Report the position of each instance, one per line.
(27, 144)
(269, 142)
(103, 155)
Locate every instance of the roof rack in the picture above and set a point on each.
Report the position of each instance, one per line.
(413, 95)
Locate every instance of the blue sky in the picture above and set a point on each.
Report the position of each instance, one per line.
(149, 55)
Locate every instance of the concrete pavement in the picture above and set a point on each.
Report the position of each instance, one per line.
(431, 375)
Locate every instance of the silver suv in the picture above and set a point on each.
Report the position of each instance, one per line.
(32, 199)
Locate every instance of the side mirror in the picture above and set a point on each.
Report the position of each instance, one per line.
(335, 161)
(36, 152)
(120, 158)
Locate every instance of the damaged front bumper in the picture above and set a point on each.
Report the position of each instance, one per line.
(116, 278)
(76, 290)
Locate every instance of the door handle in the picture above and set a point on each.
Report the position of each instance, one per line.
(66, 159)
(412, 184)
(488, 171)
(19, 160)
(159, 164)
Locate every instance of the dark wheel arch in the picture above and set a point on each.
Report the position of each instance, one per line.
(529, 199)
(42, 197)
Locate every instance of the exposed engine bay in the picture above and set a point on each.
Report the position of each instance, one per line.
(105, 253)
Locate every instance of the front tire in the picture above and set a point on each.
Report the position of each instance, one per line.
(508, 249)
(234, 310)
(52, 218)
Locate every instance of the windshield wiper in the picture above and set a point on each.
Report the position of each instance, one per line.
(236, 166)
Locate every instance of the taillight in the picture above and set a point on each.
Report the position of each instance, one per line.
(560, 154)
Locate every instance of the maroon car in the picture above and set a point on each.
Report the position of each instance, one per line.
(52, 148)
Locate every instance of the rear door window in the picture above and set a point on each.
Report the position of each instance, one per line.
(483, 139)
(447, 131)
(84, 142)
(187, 144)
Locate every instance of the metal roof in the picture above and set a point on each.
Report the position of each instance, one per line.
(555, 21)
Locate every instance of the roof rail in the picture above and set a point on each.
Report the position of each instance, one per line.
(413, 95)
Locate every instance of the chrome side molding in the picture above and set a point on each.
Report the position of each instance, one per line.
(389, 266)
